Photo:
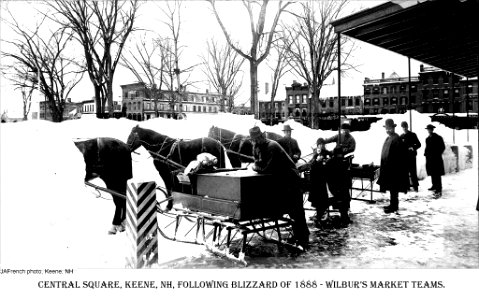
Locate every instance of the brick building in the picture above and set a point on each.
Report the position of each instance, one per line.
(139, 104)
(433, 91)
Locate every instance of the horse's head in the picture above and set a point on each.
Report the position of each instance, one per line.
(134, 140)
(213, 132)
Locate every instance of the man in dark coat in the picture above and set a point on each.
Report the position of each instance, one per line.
(318, 191)
(346, 141)
(393, 176)
(412, 143)
(289, 144)
(434, 163)
(270, 158)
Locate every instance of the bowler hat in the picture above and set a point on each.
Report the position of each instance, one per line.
(255, 132)
(346, 126)
(430, 126)
(404, 124)
(389, 123)
(287, 128)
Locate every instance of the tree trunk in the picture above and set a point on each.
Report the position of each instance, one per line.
(223, 99)
(254, 88)
(111, 107)
(98, 101)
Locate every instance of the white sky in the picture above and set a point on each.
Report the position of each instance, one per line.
(199, 25)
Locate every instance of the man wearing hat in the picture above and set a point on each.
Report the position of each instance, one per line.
(393, 174)
(289, 144)
(270, 158)
(346, 140)
(434, 164)
(412, 143)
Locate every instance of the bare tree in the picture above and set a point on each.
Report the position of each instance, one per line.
(260, 41)
(42, 62)
(313, 45)
(279, 69)
(221, 65)
(172, 51)
(145, 62)
(102, 28)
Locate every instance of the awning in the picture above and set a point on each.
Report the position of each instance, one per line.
(441, 33)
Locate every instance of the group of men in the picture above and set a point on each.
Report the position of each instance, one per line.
(398, 162)
(329, 170)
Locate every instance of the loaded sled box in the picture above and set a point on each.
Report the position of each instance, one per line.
(241, 195)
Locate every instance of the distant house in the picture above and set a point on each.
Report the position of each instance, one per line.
(139, 103)
(71, 110)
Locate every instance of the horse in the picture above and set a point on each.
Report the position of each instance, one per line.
(109, 159)
(172, 155)
(240, 146)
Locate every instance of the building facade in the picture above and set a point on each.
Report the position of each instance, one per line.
(389, 95)
(71, 110)
(138, 102)
(88, 107)
(433, 91)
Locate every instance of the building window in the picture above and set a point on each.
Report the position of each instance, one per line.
(402, 88)
(394, 100)
(343, 102)
(376, 101)
(403, 100)
(456, 92)
(209, 108)
(304, 99)
(393, 89)
(331, 103)
(413, 88)
(376, 90)
(435, 93)
(203, 98)
(350, 102)
(297, 99)
(385, 101)
(385, 90)
(204, 108)
(357, 101)
(290, 98)
(367, 101)
(445, 93)
(367, 91)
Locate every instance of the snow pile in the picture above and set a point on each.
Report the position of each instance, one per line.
(50, 218)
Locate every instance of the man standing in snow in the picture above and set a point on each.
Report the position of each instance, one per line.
(289, 144)
(434, 163)
(346, 140)
(270, 158)
(393, 175)
(412, 143)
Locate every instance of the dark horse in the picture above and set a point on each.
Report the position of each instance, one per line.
(109, 159)
(178, 151)
(240, 146)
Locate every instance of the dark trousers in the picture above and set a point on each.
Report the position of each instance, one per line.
(412, 170)
(296, 212)
(436, 183)
(394, 202)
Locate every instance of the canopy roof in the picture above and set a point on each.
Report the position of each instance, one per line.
(441, 33)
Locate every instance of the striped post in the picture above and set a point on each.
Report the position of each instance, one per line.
(141, 228)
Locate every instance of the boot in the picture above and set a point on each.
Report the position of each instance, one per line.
(390, 209)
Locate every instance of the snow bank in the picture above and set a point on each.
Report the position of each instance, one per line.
(50, 218)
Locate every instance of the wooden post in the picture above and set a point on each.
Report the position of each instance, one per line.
(142, 227)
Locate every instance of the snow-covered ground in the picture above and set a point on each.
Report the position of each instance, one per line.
(48, 217)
